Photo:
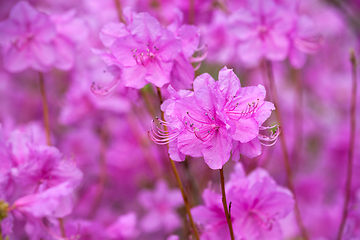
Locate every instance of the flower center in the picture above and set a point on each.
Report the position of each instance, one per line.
(204, 127)
(144, 57)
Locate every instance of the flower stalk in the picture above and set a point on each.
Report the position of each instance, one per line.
(178, 180)
(345, 210)
(289, 174)
(228, 217)
(47, 132)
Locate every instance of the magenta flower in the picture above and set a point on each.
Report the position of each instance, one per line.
(257, 203)
(262, 27)
(161, 205)
(147, 55)
(207, 122)
(304, 40)
(142, 51)
(124, 227)
(27, 39)
(31, 39)
(211, 217)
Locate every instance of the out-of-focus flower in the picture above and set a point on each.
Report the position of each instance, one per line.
(262, 27)
(161, 207)
(31, 39)
(257, 203)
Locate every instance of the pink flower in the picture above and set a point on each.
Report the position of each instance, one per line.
(257, 203)
(161, 205)
(262, 27)
(53, 202)
(304, 39)
(142, 51)
(207, 122)
(147, 54)
(31, 39)
(211, 217)
(27, 39)
(124, 227)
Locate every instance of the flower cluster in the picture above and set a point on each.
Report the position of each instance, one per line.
(118, 116)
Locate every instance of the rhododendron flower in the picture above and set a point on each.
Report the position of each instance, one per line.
(161, 205)
(262, 27)
(257, 203)
(31, 39)
(304, 39)
(206, 122)
(142, 51)
(147, 54)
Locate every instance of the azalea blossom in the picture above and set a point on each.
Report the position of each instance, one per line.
(32, 39)
(257, 204)
(207, 122)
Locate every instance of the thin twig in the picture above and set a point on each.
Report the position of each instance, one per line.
(102, 175)
(289, 174)
(45, 109)
(298, 118)
(47, 133)
(178, 180)
(119, 11)
(191, 12)
(345, 211)
(227, 215)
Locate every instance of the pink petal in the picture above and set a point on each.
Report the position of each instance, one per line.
(112, 31)
(190, 38)
(251, 51)
(169, 47)
(122, 50)
(23, 13)
(203, 80)
(229, 83)
(277, 46)
(158, 73)
(145, 27)
(217, 150)
(17, 60)
(246, 130)
(189, 144)
(65, 53)
(43, 53)
(134, 76)
(250, 149)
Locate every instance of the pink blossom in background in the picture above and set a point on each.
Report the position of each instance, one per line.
(257, 204)
(122, 75)
(32, 39)
(160, 205)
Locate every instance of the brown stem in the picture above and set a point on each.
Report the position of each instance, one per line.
(178, 180)
(102, 174)
(194, 185)
(62, 227)
(285, 153)
(45, 109)
(119, 11)
(298, 118)
(227, 215)
(144, 146)
(191, 11)
(345, 211)
(47, 132)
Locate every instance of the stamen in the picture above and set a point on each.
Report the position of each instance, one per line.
(160, 136)
(270, 140)
(106, 90)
